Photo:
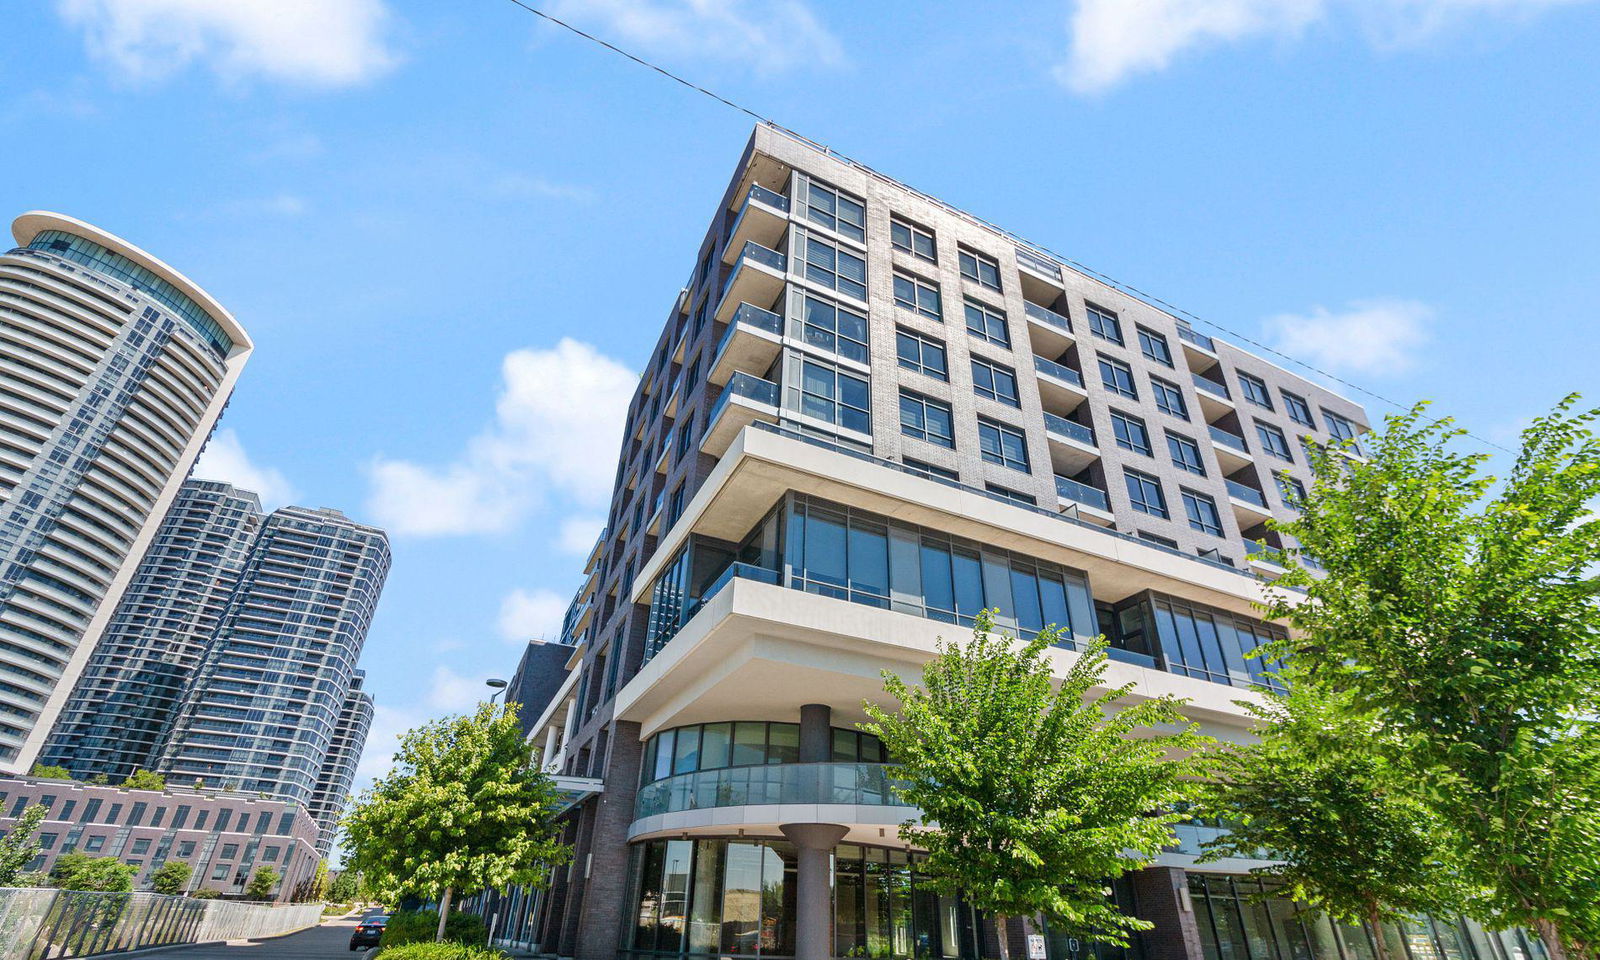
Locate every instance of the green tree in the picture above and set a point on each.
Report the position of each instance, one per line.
(171, 877)
(145, 780)
(19, 846)
(346, 888)
(465, 807)
(261, 883)
(1348, 837)
(49, 773)
(1463, 619)
(313, 888)
(1041, 795)
(79, 871)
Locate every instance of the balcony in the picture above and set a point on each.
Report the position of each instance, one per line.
(843, 784)
(1060, 387)
(1249, 506)
(1232, 451)
(758, 277)
(762, 220)
(752, 341)
(1214, 399)
(1090, 503)
(1041, 276)
(1199, 349)
(745, 400)
(1072, 445)
(1263, 554)
(670, 406)
(1049, 331)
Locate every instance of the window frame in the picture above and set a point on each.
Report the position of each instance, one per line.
(995, 372)
(924, 344)
(808, 302)
(836, 400)
(1123, 428)
(1293, 403)
(1146, 338)
(1177, 441)
(1131, 392)
(919, 285)
(830, 220)
(1193, 501)
(1272, 439)
(989, 315)
(1100, 319)
(1140, 502)
(913, 230)
(1166, 390)
(979, 261)
(810, 268)
(921, 433)
(1002, 432)
(1254, 389)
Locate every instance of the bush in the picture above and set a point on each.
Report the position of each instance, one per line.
(419, 926)
(439, 951)
(204, 893)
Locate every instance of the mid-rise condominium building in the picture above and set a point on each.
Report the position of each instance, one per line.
(117, 717)
(262, 710)
(113, 370)
(867, 417)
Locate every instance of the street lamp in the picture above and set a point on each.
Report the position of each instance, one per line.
(498, 685)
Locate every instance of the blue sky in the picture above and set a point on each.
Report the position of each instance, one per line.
(454, 231)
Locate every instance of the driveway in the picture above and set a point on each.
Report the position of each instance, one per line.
(330, 941)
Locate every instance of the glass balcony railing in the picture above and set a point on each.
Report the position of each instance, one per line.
(742, 384)
(1047, 316)
(1261, 550)
(1239, 491)
(755, 253)
(1198, 339)
(1211, 386)
(1039, 264)
(735, 571)
(1082, 493)
(1052, 369)
(771, 198)
(749, 316)
(1061, 426)
(1228, 439)
(863, 784)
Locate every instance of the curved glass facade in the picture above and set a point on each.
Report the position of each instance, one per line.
(860, 784)
(101, 259)
(713, 897)
(745, 743)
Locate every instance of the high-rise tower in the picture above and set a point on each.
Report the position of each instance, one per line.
(113, 370)
(339, 768)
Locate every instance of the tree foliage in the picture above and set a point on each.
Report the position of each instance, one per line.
(171, 877)
(145, 780)
(45, 772)
(19, 846)
(261, 883)
(464, 808)
(79, 871)
(1462, 618)
(1041, 795)
(346, 887)
(1346, 835)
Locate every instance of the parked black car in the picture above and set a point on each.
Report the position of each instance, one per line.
(368, 932)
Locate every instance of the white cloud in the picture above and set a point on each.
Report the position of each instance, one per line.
(324, 43)
(557, 428)
(225, 459)
(1378, 337)
(578, 534)
(531, 614)
(523, 186)
(769, 36)
(1112, 40)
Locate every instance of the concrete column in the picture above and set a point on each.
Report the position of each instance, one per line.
(550, 735)
(813, 922)
(816, 733)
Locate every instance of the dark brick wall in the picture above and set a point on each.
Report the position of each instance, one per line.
(1162, 897)
(606, 894)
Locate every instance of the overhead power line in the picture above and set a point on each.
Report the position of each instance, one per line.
(1075, 264)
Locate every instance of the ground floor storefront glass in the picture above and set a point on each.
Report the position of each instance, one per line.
(1234, 926)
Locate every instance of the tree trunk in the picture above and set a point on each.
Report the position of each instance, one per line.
(1380, 943)
(1550, 936)
(1000, 936)
(444, 912)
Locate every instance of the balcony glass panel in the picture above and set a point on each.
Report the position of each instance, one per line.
(769, 197)
(1082, 493)
(1067, 428)
(1052, 369)
(1228, 439)
(742, 384)
(1211, 386)
(1196, 338)
(1239, 491)
(1047, 316)
(864, 784)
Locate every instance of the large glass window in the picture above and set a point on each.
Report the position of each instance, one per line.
(743, 743)
(979, 268)
(1202, 512)
(835, 267)
(922, 354)
(1299, 410)
(987, 323)
(1341, 428)
(1003, 444)
(835, 397)
(1145, 492)
(1154, 346)
(1255, 390)
(1130, 432)
(995, 382)
(913, 293)
(1273, 441)
(915, 240)
(834, 329)
(1185, 454)
(839, 212)
(1169, 399)
(926, 419)
(1104, 324)
(1118, 378)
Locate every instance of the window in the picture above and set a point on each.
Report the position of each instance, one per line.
(1185, 454)
(1341, 428)
(690, 381)
(675, 506)
(1158, 540)
(987, 323)
(221, 871)
(1118, 378)
(1104, 324)
(1130, 432)
(839, 212)
(1291, 490)
(831, 328)
(185, 849)
(47, 841)
(922, 354)
(1003, 444)
(995, 382)
(1299, 410)
(928, 469)
(140, 846)
(1255, 390)
(1145, 492)
(1202, 511)
(1154, 346)
(835, 397)
(94, 844)
(926, 419)
(230, 851)
(907, 236)
(980, 269)
(1010, 496)
(1169, 399)
(835, 268)
(1272, 440)
(685, 437)
(917, 295)
(269, 854)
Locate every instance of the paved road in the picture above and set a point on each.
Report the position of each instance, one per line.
(330, 941)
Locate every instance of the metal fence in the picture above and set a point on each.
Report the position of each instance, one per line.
(44, 924)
